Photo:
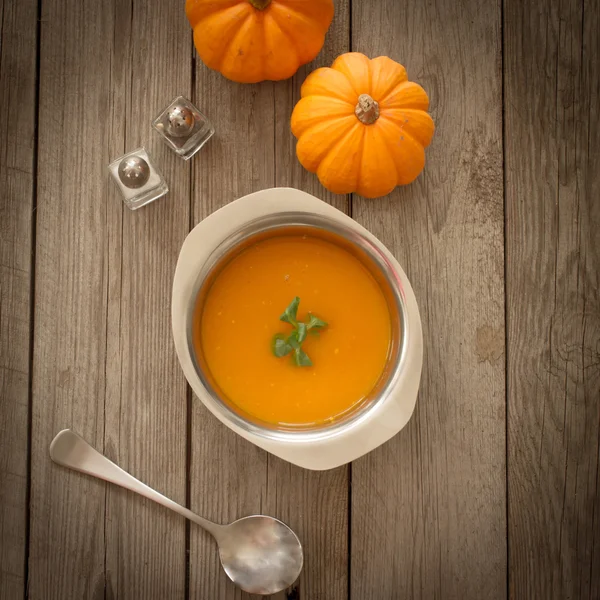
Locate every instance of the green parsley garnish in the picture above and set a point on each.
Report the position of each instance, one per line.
(292, 344)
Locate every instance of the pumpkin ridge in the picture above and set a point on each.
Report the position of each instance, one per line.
(339, 65)
(294, 12)
(209, 10)
(406, 129)
(243, 10)
(342, 141)
(387, 92)
(292, 47)
(410, 103)
(295, 8)
(386, 74)
(360, 162)
(401, 130)
(250, 16)
(336, 98)
(310, 115)
(213, 55)
(290, 38)
(289, 33)
(383, 139)
(334, 140)
(334, 92)
(390, 148)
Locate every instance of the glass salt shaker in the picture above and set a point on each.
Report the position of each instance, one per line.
(137, 178)
(183, 127)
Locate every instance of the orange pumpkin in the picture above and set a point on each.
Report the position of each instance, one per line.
(254, 40)
(362, 126)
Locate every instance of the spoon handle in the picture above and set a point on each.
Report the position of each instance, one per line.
(70, 450)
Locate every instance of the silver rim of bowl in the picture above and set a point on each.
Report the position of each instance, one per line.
(314, 222)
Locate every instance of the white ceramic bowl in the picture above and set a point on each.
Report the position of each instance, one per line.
(392, 402)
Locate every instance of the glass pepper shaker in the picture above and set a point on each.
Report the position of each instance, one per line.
(183, 127)
(137, 178)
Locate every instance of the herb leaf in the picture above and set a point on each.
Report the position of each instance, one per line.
(315, 322)
(302, 331)
(292, 344)
(293, 341)
(280, 345)
(301, 359)
(289, 316)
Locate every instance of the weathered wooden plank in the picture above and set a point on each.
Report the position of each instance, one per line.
(67, 542)
(428, 508)
(552, 91)
(229, 477)
(146, 394)
(103, 362)
(18, 43)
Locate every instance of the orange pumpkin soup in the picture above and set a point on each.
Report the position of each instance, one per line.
(240, 317)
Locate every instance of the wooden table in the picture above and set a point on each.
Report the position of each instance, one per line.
(491, 491)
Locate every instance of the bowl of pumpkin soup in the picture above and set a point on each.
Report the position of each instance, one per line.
(297, 328)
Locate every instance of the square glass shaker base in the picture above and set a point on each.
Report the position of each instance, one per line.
(196, 143)
(150, 196)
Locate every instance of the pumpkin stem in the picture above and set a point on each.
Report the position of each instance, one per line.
(260, 4)
(367, 109)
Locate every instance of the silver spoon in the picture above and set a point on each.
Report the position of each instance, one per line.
(259, 554)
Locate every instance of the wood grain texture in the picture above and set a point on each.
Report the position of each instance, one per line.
(254, 149)
(67, 545)
(18, 44)
(552, 95)
(429, 507)
(104, 364)
(146, 394)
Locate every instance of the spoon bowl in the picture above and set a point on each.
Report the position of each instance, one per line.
(260, 554)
